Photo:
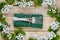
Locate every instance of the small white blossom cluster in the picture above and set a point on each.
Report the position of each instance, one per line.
(30, 3)
(6, 29)
(9, 36)
(6, 9)
(39, 38)
(20, 37)
(54, 25)
(24, 4)
(51, 35)
(48, 2)
(53, 10)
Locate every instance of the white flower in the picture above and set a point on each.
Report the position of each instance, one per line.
(6, 6)
(54, 11)
(30, 3)
(20, 37)
(54, 35)
(9, 36)
(44, 4)
(22, 4)
(51, 35)
(54, 25)
(3, 25)
(4, 10)
(6, 30)
(48, 2)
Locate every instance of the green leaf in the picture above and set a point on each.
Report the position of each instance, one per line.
(4, 35)
(51, 14)
(58, 18)
(10, 2)
(1, 28)
(57, 37)
(20, 31)
(38, 2)
(55, 31)
(32, 39)
(13, 36)
(2, 5)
